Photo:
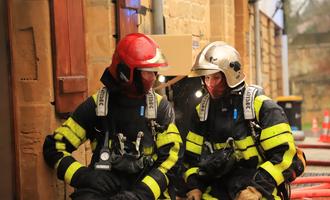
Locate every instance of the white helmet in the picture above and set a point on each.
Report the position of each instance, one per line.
(219, 56)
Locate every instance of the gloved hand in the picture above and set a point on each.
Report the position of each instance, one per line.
(217, 164)
(100, 180)
(194, 194)
(125, 195)
(250, 193)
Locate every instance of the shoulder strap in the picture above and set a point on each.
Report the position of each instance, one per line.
(102, 101)
(204, 108)
(151, 102)
(248, 101)
(250, 115)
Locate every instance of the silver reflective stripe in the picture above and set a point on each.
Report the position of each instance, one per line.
(102, 102)
(204, 108)
(151, 110)
(248, 105)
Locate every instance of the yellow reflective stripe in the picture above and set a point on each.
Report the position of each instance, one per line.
(69, 135)
(250, 152)
(95, 97)
(198, 108)
(273, 171)
(194, 148)
(287, 157)
(277, 140)
(189, 172)
(71, 170)
(58, 137)
(148, 150)
(244, 143)
(159, 98)
(172, 128)
(153, 185)
(76, 128)
(195, 138)
(247, 147)
(274, 193)
(218, 146)
(166, 195)
(274, 130)
(172, 158)
(94, 144)
(164, 171)
(154, 157)
(167, 138)
(60, 146)
(258, 101)
(276, 170)
(207, 196)
(65, 155)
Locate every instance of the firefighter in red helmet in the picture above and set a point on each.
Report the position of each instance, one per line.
(136, 145)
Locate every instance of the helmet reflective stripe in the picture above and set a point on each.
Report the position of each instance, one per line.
(219, 56)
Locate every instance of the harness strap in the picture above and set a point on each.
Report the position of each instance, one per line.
(102, 102)
(248, 99)
(204, 108)
(151, 101)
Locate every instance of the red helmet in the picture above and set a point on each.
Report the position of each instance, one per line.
(135, 51)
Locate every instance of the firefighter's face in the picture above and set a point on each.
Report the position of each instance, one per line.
(215, 84)
(148, 79)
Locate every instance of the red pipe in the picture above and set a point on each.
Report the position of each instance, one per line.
(311, 179)
(310, 193)
(314, 146)
(318, 163)
(320, 186)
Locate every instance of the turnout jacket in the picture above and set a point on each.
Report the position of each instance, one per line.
(225, 118)
(129, 119)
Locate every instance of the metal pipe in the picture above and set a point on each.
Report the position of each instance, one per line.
(250, 45)
(158, 21)
(257, 43)
(158, 28)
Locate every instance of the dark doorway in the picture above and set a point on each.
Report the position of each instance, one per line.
(7, 153)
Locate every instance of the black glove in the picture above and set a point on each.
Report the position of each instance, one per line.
(125, 195)
(217, 164)
(100, 180)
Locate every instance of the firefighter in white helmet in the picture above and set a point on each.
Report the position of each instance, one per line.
(229, 154)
